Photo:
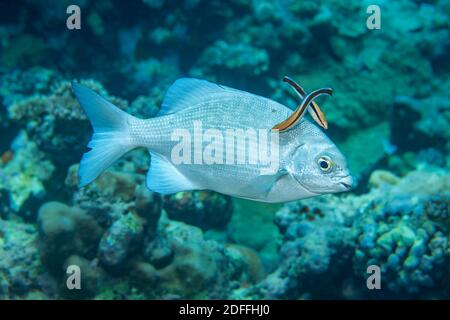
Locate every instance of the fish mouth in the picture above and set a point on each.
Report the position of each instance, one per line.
(346, 183)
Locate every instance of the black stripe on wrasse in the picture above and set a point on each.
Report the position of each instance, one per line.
(315, 111)
(300, 111)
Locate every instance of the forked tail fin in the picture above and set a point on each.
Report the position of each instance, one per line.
(111, 138)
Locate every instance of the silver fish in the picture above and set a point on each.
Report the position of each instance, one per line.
(308, 162)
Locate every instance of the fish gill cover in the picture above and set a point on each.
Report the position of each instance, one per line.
(389, 115)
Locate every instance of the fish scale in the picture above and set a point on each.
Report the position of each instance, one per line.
(219, 113)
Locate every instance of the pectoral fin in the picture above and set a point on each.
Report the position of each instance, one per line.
(260, 186)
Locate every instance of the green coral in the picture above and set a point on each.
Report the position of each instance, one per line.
(398, 232)
(23, 178)
(55, 121)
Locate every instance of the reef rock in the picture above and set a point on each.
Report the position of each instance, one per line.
(21, 271)
(23, 178)
(204, 209)
(199, 268)
(420, 123)
(66, 231)
(316, 247)
(404, 230)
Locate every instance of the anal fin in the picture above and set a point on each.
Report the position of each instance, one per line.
(163, 177)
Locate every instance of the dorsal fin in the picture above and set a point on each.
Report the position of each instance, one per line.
(187, 92)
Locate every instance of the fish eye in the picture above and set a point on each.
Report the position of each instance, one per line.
(325, 163)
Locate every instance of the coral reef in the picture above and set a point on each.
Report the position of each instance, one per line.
(389, 115)
(317, 241)
(119, 241)
(204, 209)
(111, 196)
(115, 232)
(404, 230)
(19, 84)
(198, 268)
(241, 57)
(398, 225)
(421, 123)
(49, 120)
(21, 271)
(167, 258)
(65, 231)
(322, 237)
(23, 177)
